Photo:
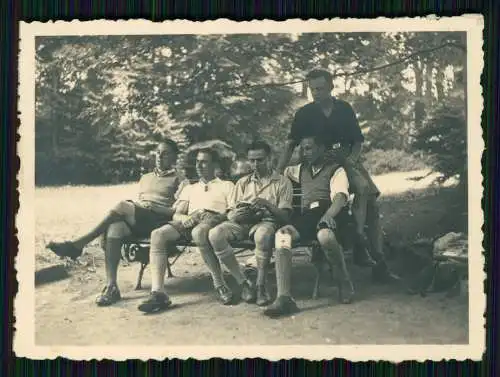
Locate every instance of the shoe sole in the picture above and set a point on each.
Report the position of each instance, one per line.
(104, 304)
(281, 314)
(150, 309)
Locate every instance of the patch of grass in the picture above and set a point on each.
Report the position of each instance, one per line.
(423, 214)
(378, 161)
(65, 212)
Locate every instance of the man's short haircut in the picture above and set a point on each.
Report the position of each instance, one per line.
(259, 145)
(315, 73)
(170, 144)
(318, 140)
(212, 152)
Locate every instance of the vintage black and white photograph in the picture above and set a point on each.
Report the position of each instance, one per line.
(291, 189)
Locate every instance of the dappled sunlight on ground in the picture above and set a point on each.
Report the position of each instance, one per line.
(381, 314)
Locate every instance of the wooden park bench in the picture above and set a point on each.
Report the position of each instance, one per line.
(137, 250)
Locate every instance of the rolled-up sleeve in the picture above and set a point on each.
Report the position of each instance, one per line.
(339, 183)
(285, 194)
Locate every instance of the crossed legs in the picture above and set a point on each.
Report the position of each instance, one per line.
(123, 211)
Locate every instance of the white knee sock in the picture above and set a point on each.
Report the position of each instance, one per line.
(158, 265)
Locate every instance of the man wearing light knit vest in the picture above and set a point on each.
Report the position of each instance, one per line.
(325, 191)
(138, 218)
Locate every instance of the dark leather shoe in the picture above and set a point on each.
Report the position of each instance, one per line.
(156, 302)
(282, 306)
(263, 297)
(108, 296)
(65, 249)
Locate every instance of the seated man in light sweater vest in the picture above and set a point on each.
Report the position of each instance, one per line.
(200, 207)
(325, 193)
(137, 218)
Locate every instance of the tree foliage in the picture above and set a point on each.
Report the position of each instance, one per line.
(102, 101)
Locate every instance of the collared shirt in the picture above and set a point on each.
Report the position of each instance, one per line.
(340, 127)
(338, 182)
(213, 195)
(157, 191)
(276, 188)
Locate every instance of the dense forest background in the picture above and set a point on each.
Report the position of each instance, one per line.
(102, 101)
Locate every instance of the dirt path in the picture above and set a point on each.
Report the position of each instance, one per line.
(66, 313)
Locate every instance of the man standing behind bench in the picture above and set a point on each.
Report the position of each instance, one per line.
(137, 218)
(260, 203)
(325, 191)
(335, 122)
(200, 207)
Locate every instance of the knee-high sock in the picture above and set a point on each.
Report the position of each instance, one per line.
(229, 259)
(213, 265)
(158, 264)
(112, 255)
(283, 272)
(263, 258)
(335, 255)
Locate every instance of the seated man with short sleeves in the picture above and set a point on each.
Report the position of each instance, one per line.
(260, 203)
(325, 190)
(200, 207)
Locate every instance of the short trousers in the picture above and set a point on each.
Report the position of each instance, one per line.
(146, 220)
(210, 219)
(242, 232)
(306, 223)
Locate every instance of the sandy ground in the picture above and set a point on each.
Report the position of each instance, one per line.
(66, 313)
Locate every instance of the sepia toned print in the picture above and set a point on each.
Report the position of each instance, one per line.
(263, 189)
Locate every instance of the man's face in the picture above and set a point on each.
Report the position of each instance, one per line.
(320, 89)
(311, 152)
(259, 161)
(205, 167)
(165, 157)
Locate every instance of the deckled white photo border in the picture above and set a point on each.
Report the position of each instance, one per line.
(24, 337)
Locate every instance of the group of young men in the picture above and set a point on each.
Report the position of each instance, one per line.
(214, 213)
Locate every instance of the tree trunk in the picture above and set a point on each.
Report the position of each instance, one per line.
(428, 82)
(55, 121)
(419, 104)
(440, 83)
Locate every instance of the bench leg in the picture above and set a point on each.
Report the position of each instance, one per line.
(316, 282)
(139, 277)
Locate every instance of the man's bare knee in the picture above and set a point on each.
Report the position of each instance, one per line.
(124, 208)
(199, 234)
(216, 235)
(165, 234)
(118, 230)
(326, 238)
